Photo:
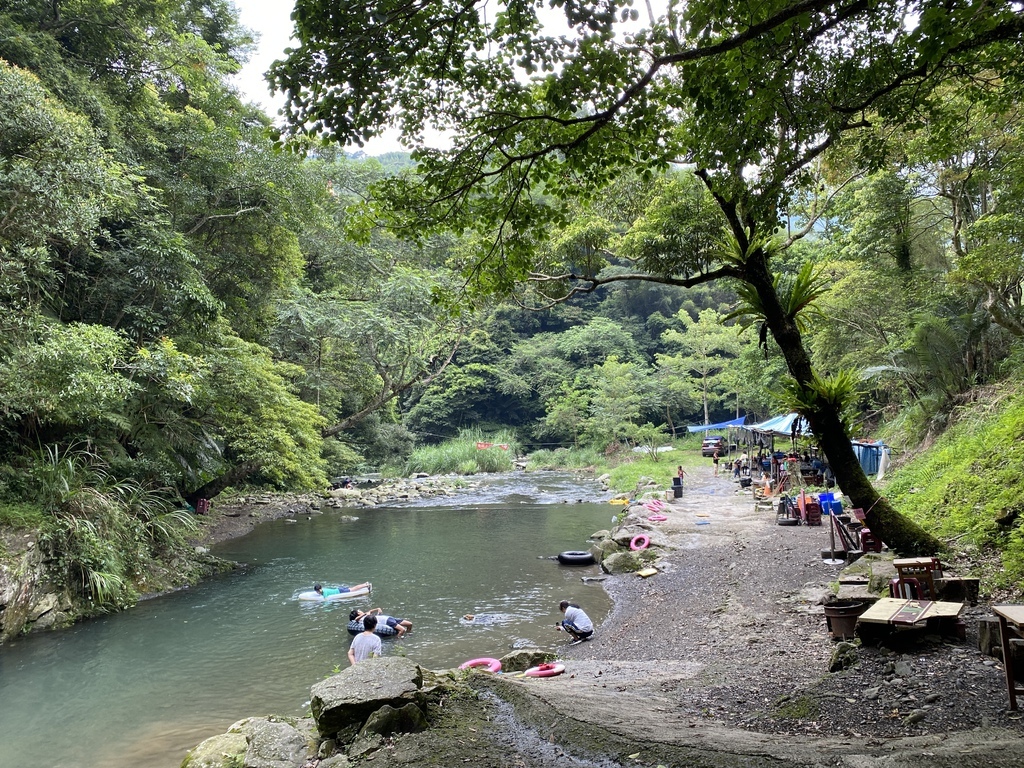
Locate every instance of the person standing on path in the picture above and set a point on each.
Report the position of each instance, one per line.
(714, 459)
(366, 643)
(576, 622)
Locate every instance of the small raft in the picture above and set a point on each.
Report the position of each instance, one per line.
(332, 594)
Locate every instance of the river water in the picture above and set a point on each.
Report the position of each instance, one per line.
(144, 686)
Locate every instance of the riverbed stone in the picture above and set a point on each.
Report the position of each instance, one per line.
(622, 562)
(224, 750)
(274, 743)
(524, 658)
(352, 695)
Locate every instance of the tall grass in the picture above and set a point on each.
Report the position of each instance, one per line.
(100, 532)
(966, 487)
(462, 456)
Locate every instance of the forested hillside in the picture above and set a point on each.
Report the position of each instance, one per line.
(194, 299)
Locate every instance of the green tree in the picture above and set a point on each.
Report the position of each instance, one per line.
(730, 90)
(708, 346)
(617, 395)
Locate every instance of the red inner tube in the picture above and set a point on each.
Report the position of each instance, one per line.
(640, 541)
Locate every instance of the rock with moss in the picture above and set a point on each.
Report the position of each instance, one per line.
(524, 658)
(351, 696)
(225, 750)
(844, 656)
(622, 562)
(274, 743)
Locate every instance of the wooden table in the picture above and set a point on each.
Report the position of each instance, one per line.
(1009, 614)
(909, 613)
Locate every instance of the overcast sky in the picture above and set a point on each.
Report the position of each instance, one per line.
(271, 20)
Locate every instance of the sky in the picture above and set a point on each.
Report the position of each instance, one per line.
(271, 21)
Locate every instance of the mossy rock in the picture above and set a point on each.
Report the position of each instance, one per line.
(623, 562)
(226, 750)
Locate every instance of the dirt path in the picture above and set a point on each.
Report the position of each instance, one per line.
(721, 659)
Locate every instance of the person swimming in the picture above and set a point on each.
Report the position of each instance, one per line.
(331, 591)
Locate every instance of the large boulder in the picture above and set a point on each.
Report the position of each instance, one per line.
(350, 697)
(273, 743)
(624, 535)
(622, 562)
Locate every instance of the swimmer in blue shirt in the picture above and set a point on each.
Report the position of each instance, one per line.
(329, 591)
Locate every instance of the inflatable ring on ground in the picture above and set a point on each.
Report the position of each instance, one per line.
(576, 558)
(657, 518)
(493, 665)
(545, 670)
(356, 626)
(640, 541)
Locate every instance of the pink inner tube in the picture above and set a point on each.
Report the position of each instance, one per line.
(545, 670)
(640, 541)
(657, 518)
(493, 665)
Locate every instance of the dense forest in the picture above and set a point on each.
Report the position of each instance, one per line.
(195, 298)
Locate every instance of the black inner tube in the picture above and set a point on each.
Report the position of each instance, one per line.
(576, 558)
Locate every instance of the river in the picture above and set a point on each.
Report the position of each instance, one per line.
(144, 686)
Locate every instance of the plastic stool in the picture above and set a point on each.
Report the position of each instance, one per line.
(908, 589)
(869, 542)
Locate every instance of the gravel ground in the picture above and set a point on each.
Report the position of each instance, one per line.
(732, 632)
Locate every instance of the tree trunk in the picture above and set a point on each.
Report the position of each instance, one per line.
(216, 486)
(899, 532)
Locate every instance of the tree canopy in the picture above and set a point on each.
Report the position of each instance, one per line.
(752, 97)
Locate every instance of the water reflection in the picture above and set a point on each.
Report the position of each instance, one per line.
(140, 688)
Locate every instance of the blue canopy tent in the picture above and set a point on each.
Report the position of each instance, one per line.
(720, 425)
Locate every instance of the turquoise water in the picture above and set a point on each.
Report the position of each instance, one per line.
(142, 687)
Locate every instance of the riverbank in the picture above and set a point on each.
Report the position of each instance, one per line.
(722, 659)
(237, 515)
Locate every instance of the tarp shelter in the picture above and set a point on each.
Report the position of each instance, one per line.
(873, 456)
(721, 425)
(787, 425)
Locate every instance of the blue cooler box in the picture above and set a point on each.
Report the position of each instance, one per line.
(830, 505)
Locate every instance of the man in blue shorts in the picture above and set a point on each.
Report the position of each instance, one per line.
(401, 626)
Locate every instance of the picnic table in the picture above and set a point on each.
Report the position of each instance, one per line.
(1009, 614)
(897, 612)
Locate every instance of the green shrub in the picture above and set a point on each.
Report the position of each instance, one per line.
(462, 456)
(101, 533)
(21, 515)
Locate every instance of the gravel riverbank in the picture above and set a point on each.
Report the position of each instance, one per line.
(721, 659)
(736, 612)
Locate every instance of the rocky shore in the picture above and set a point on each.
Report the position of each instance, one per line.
(721, 658)
(237, 515)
